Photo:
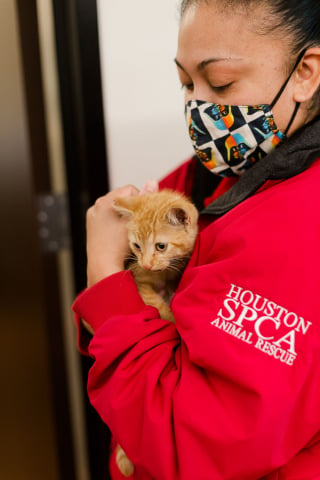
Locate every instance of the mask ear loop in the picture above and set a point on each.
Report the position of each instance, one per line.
(296, 108)
(272, 104)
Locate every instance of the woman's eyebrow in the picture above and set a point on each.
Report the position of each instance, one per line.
(202, 65)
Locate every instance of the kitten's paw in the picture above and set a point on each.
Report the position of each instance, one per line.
(125, 465)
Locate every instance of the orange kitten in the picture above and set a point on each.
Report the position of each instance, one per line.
(162, 230)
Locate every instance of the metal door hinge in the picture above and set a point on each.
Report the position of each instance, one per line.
(53, 222)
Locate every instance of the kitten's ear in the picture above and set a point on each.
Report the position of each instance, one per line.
(124, 207)
(177, 216)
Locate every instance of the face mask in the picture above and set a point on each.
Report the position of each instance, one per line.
(229, 139)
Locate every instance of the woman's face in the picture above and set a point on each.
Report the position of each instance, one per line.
(222, 59)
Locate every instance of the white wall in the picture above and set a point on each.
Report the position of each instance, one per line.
(143, 101)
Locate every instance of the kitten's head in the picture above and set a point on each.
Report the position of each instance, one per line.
(162, 228)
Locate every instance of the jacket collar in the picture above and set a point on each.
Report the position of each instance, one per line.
(292, 157)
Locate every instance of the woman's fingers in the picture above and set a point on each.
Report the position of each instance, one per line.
(149, 187)
(107, 236)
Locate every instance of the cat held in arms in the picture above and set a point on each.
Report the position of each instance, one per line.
(162, 230)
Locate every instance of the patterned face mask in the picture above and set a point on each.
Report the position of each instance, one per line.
(229, 139)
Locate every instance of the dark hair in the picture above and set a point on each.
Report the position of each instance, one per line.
(301, 18)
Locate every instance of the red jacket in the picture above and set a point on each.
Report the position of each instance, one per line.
(231, 391)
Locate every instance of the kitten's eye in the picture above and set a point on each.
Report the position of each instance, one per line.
(161, 247)
(136, 246)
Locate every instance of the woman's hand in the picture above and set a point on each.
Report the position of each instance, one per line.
(107, 236)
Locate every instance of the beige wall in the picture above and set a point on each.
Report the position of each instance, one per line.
(144, 109)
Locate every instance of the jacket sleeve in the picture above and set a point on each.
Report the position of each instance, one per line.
(230, 391)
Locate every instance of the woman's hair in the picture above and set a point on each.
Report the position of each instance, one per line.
(300, 18)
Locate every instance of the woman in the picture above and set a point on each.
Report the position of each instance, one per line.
(231, 390)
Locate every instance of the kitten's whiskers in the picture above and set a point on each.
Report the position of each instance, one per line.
(178, 264)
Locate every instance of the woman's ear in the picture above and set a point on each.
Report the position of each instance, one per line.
(307, 76)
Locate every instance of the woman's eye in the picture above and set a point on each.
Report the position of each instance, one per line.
(221, 88)
(161, 247)
(136, 246)
(188, 86)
